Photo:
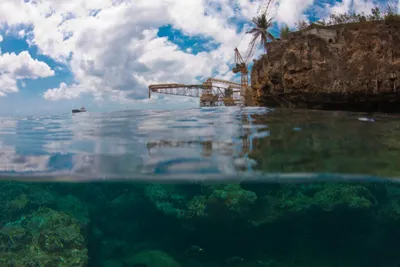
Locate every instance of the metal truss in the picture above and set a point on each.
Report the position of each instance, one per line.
(177, 89)
(202, 91)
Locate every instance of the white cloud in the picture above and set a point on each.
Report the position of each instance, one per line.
(358, 6)
(7, 84)
(116, 53)
(63, 92)
(341, 7)
(291, 11)
(363, 6)
(20, 66)
(1, 38)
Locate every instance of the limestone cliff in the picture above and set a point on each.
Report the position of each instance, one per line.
(350, 66)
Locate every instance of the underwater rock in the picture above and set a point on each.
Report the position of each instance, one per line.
(230, 200)
(44, 238)
(291, 200)
(153, 258)
(18, 199)
(391, 209)
(170, 199)
(213, 201)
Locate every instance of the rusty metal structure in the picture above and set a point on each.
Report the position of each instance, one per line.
(241, 66)
(212, 92)
(225, 93)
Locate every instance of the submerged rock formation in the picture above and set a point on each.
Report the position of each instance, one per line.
(350, 66)
(44, 238)
(243, 224)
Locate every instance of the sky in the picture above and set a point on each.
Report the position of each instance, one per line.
(56, 55)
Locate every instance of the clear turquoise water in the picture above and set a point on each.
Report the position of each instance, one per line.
(252, 187)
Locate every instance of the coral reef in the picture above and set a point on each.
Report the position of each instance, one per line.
(226, 201)
(250, 224)
(44, 238)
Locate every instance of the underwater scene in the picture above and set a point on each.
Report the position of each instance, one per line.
(208, 187)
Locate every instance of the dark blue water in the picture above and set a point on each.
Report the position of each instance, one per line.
(210, 187)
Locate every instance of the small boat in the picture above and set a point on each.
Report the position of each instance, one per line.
(82, 109)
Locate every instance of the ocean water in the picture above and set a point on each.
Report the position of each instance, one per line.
(209, 187)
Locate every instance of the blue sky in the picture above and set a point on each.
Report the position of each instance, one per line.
(60, 55)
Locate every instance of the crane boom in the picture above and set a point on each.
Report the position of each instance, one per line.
(225, 82)
(209, 94)
(241, 67)
(265, 7)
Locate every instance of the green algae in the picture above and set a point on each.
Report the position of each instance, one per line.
(43, 238)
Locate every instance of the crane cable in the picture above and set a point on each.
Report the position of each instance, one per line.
(244, 34)
(267, 11)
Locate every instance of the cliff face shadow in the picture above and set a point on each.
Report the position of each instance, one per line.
(341, 67)
(356, 102)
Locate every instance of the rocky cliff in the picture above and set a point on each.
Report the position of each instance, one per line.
(352, 66)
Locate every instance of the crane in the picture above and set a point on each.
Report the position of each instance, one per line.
(241, 63)
(225, 92)
(212, 92)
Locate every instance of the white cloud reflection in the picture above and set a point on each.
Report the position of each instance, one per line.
(126, 144)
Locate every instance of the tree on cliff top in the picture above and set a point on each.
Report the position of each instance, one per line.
(285, 31)
(260, 30)
(352, 17)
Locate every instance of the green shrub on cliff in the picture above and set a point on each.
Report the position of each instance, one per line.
(375, 14)
(345, 18)
(301, 25)
(391, 15)
(285, 32)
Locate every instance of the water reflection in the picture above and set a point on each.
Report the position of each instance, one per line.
(338, 142)
(218, 141)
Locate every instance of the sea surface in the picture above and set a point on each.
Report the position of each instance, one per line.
(202, 187)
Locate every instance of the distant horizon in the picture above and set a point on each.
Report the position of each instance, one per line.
(96, 109)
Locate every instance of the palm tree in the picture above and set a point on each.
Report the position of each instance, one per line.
(260, 30)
